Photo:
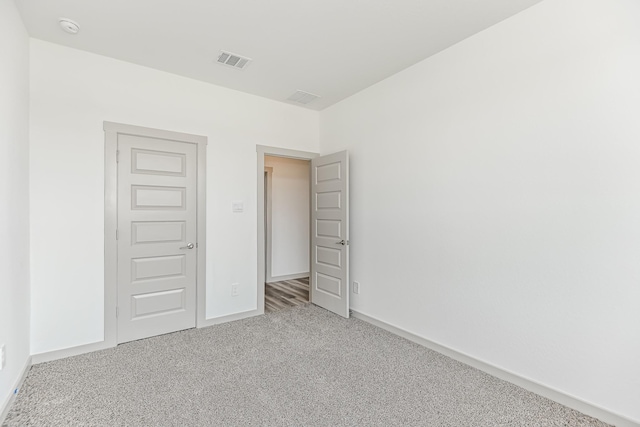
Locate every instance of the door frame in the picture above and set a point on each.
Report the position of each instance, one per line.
(112, 130)
(268, 186)
(263, 151)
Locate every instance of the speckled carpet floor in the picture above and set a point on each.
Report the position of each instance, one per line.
(297, 367)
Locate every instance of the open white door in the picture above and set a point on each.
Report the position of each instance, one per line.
(330, 232)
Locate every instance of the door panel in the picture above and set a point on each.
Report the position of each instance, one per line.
(329, 257)
(156, 221)
(158, 267)
(328, 284)
(156, 197)
(156, 303)
(158, 162)
(328, 200)
(328, 172)
(330, 232)
(158, 232)
(329, 228)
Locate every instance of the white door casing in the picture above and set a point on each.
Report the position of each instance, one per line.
(329, 281)
(157, 271)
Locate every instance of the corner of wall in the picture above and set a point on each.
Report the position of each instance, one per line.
(15, 281)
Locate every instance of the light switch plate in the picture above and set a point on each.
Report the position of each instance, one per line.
(237, 207)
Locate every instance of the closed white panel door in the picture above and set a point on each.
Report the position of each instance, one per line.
(330, 232)
(156, 236)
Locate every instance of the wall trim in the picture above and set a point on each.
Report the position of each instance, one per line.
(287, 277)
(268, 220)
(103, 345)
(229, 318)
(6, 405)
(526, 383)
(63, 353)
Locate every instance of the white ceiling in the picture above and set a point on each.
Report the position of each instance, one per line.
(332, 48)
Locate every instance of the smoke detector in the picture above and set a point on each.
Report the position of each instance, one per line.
(69, 26)
(233, 60)
(302, 97)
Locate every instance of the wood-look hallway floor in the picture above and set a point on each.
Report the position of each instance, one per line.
(287, 293)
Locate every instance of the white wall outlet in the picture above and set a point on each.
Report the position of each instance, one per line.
(356, 287)
(3, 358)
(234, 290)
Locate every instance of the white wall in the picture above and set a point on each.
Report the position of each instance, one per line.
(290, 216)
(14, 196)
(496, 198)
(73, 92)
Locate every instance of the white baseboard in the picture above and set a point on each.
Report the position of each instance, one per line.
(69, 352)
(526, 383)
(229, 318)
(6, 405)
(287, 277)
(102, 345)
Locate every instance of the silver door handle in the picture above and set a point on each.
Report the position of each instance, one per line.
(189, 246)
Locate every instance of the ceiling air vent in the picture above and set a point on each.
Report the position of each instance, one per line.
(233, 60)
(302, 97)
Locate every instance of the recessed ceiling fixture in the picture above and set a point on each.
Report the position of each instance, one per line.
(69, 26)
(233, 60)
(302, 97)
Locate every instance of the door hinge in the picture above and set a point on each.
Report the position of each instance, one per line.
(117, 156)
(117, 311)
(116, 234)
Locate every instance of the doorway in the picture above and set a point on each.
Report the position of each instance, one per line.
(287, 232)
(328, 223)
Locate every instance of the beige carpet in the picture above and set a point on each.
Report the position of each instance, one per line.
(297, 367)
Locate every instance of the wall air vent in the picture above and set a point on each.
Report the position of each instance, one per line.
(233, 60)
(302, 97)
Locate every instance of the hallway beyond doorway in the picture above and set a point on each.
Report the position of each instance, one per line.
(286, 293)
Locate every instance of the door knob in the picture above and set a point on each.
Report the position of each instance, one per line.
(342, 242)
(189, 246)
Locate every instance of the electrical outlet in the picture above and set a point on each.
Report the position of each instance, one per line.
(234, 290)
(3, 358)
(356, 287)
